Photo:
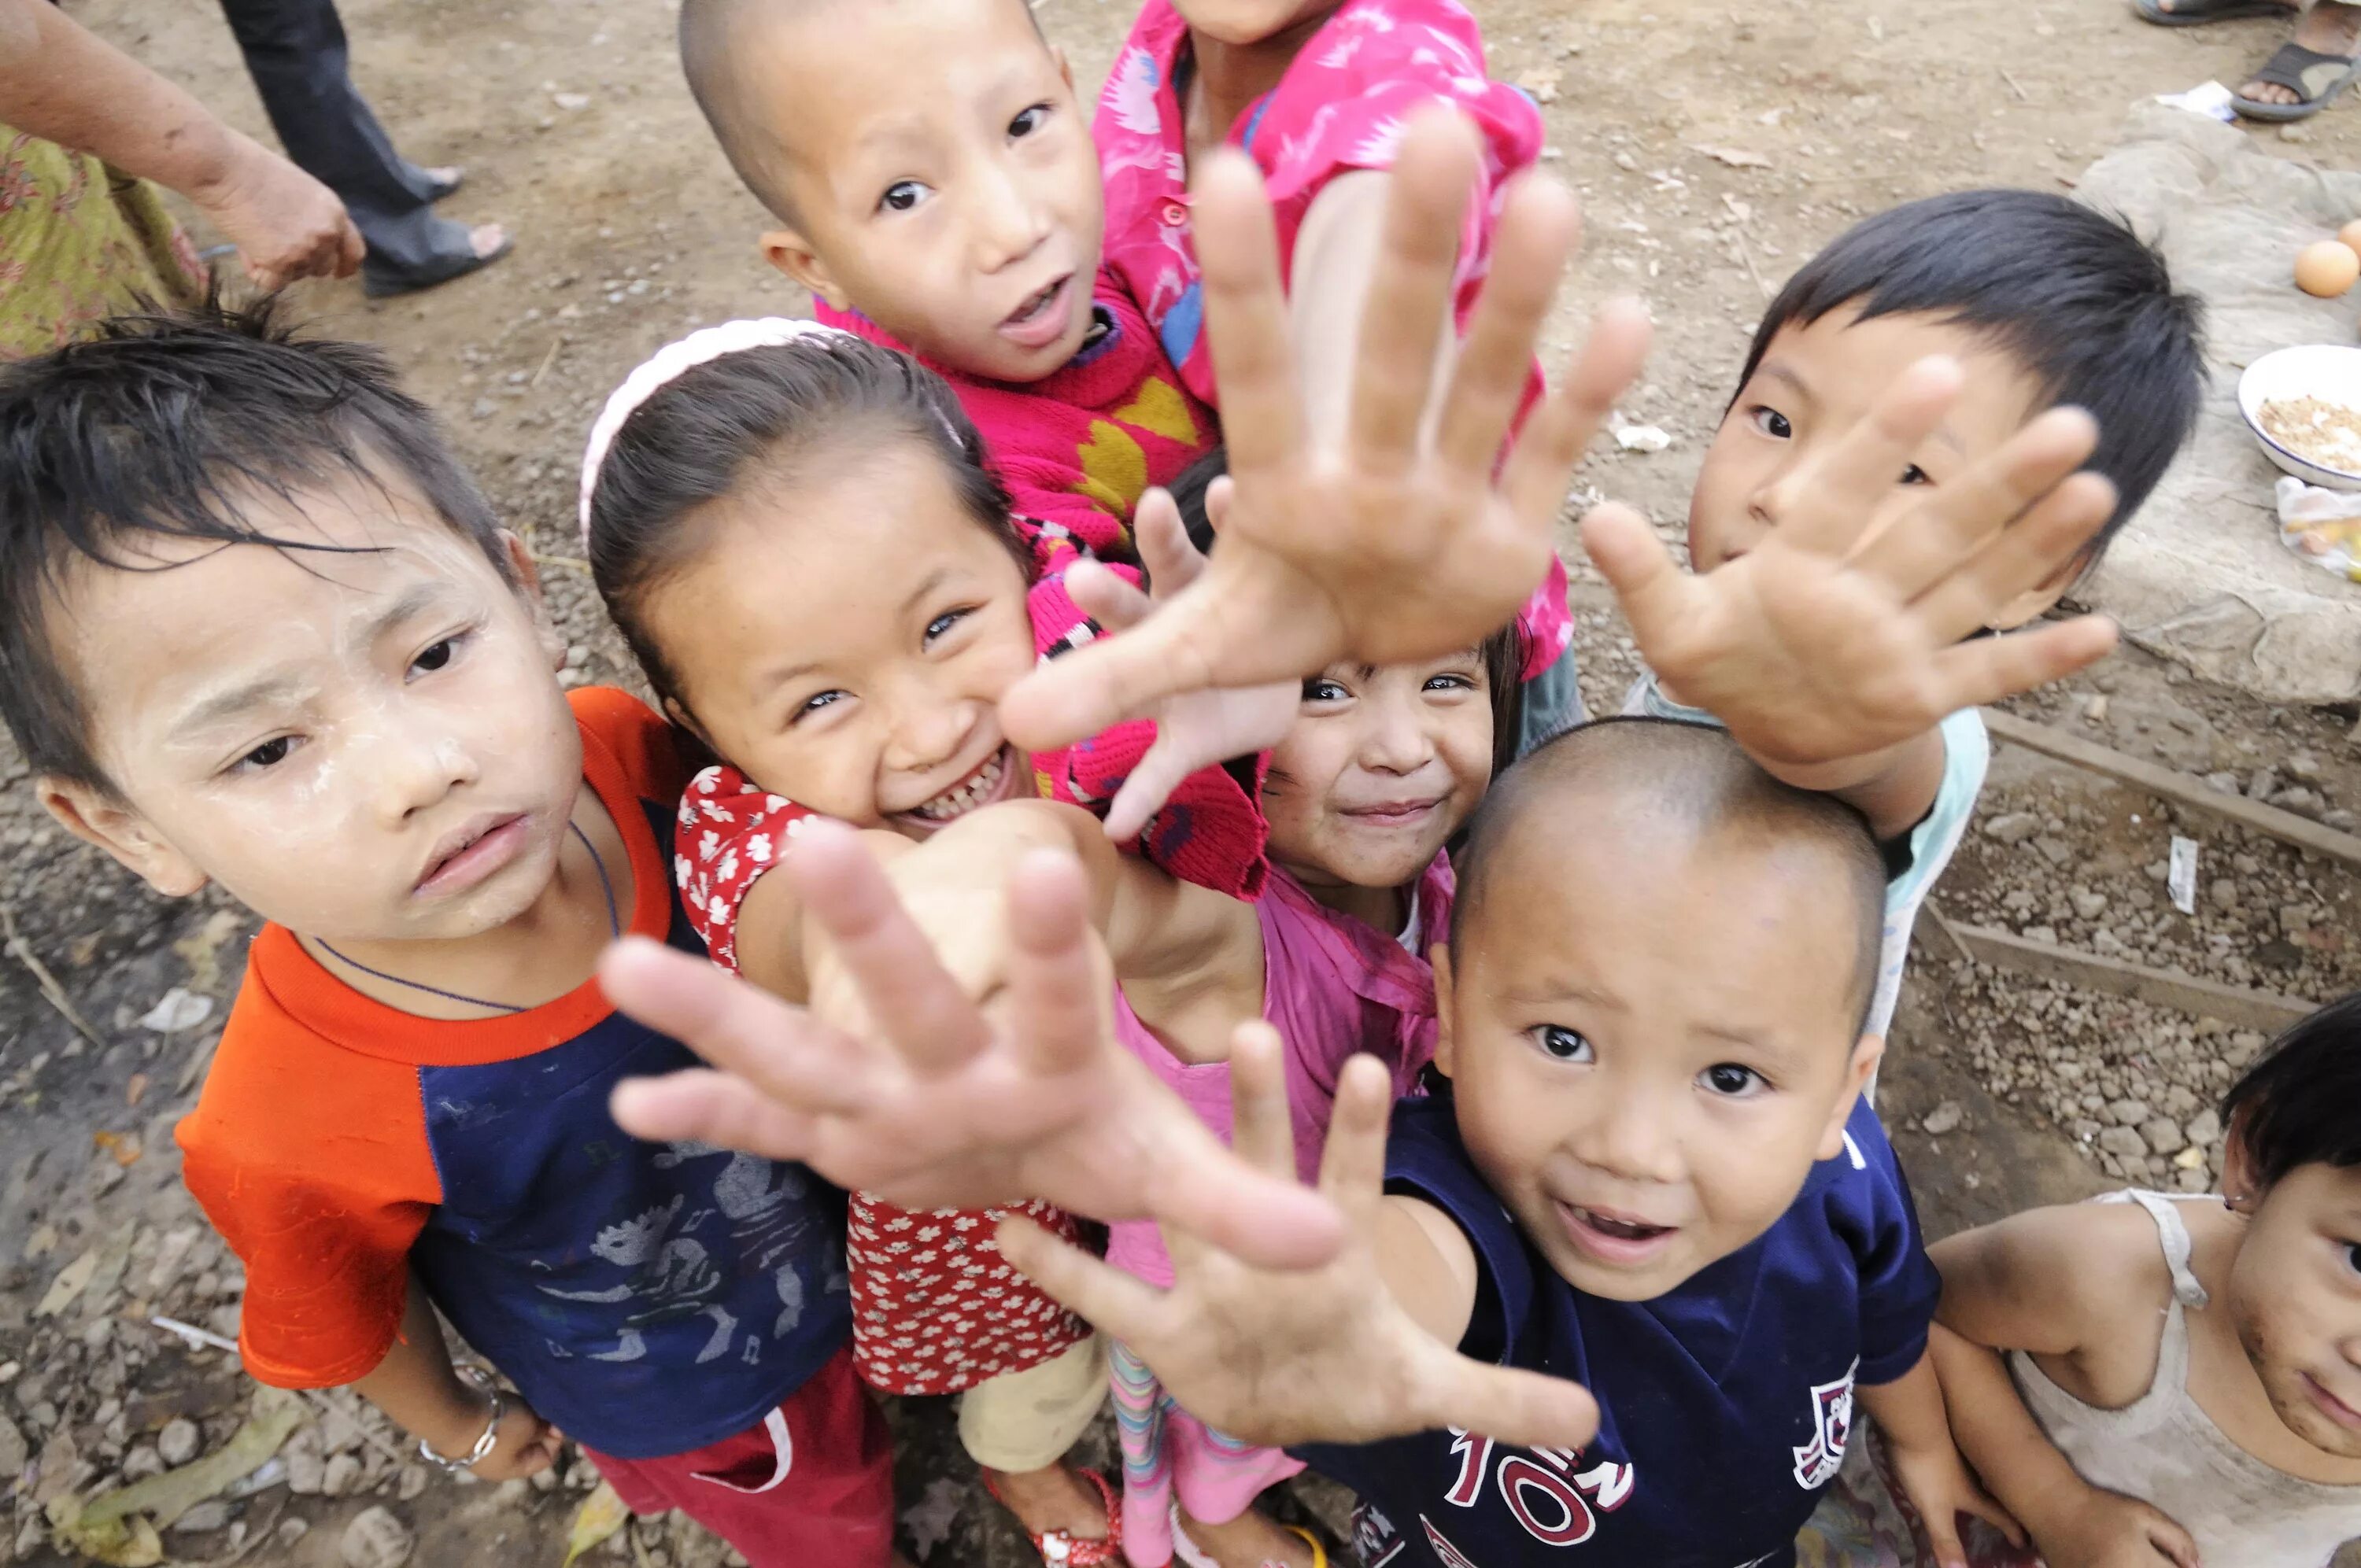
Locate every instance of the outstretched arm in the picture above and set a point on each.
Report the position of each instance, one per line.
(1353, 1352)
(1909, 1411)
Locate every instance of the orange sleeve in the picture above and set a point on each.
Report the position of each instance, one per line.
(312, 1163)
(641, 743)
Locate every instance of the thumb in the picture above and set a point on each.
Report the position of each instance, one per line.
(1114, 678)
(1980, 1504)
(2167, 1535)
(1943, 1540)
(1507, 1404)
(1649, 584)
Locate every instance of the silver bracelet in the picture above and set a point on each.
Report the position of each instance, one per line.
(498, 1408)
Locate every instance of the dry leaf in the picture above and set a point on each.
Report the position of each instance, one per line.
(1736, 157)
(112, 1526)
(135, 1090)
(201, 949)
(124, 1146)
(72, 1281)
(602, 1513)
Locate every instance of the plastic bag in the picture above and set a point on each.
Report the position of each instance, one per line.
(2322, 526)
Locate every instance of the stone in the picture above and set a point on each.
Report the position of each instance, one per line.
(141, 1462)
(376, 1540)
(14, 1452)
(2205, 1128)
(307, 1468)
(2088, 904)
(2163, 1135)
(2301, 801)
(2243, 1046)
(2224, 893)
(342, 1477)
(1942, 1118)
(412, 1482)
(2124, 1142)
(2057, 851)
(2303, 767)
(2127, 1112)
(2012, 827)
(207, 1516)
(179, 1442)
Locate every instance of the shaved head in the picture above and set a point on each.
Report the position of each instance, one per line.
(1689, 781)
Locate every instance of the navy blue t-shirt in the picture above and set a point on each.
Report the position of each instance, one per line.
(1725, 1405)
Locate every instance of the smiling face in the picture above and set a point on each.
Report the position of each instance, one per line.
(1650, 1033)
(2295, 1296)
(1814, 385)
(1383, 765)
(844, 639)
(941, 176)
(392, 715)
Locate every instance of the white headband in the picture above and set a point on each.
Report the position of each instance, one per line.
(668, 363)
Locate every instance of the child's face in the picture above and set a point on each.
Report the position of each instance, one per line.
(1383, 766)
(2295, 1295)
(944, 178)
(846, 644)
(1652, 1036)
(1243, 22)
(368, 746)
(1814, 385)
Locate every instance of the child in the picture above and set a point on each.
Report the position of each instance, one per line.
(1317, 95)
(2043, 302)
(938, 192)
(1654, 1179)
(342, 667)
(2192, 1357)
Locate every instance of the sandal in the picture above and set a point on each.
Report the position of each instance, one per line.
(444, 181)
(1319, 1553)
(2315, 77)
(441, 267)
(2199, 13)
(1187, 1553)
(1059, 1550)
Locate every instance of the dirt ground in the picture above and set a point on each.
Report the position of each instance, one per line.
(1714, 146)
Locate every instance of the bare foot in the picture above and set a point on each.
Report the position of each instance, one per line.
(1252, 1539)
(1053, 1499)
(2329, 26)
(486, 239)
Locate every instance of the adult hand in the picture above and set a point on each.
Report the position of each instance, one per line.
(949, 1105)
(1405, 538)
(285, 224)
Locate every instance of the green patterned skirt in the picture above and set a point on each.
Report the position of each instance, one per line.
(80, 241)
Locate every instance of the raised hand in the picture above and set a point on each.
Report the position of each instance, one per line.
(1405, 539)
(1321, 1355)
(1829, 640)
(948, 1105)
(1195, 729)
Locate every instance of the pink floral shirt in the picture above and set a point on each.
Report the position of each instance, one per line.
(1341, 106)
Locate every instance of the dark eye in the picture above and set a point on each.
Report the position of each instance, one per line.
(941, 625)
(902, 196)
(1773, 424)
(1318, 690)
(1915, 474)
(1449, 684)
(270, 755)
(1561, 1043)
(814, 704)
(2352, 1256)
(434, 656)
(1731, 1080)
(1031, 120)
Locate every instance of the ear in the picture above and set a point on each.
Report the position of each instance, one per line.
(792, 253)
(95, 816)
(1866, 1055)
(1065, 66)
(527, 572)
(2035, 602)
(2242, 1184)
(1440, 956)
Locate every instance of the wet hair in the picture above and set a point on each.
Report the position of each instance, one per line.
(780, 415)
(1502, 653)
(2300, 1104)
(2077, 298)
(169, 424)
(1693, 773)
(714, 37)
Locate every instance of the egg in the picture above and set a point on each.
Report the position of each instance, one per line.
(2327, 269)
(2350, 236)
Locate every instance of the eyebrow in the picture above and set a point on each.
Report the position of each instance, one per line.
(412, 601)
(234, 703)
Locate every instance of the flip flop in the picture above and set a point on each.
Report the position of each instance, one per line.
(443, 188)
(1059, 1550)
(2201, 13)
(2317, 78)
(440, 268)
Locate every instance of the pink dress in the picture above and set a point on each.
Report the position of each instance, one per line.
(1340, 107)
(1335, 986)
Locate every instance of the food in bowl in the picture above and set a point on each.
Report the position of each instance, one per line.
(2316, 430)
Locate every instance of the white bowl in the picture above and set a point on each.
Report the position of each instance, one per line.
(2325, 371)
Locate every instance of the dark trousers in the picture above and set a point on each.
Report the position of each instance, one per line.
(296, 53)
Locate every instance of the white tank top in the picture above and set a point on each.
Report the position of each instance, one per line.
(2168, 1453)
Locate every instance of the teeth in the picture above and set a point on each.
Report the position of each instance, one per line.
(1625, 1229)
(966, 797)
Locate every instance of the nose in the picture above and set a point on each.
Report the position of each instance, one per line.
(1634, 1134)
(411, 768)
(929, 727)
(1396, 740)
(1010, 220)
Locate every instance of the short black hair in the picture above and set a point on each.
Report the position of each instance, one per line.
(1503, 654)
(714, 37)
(2301, 1102)
(2072, 295)
(769, 413)
(1693, 772)
(164, 422)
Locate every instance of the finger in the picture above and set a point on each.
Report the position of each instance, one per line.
(1168, 762)
(1943, 1541)
(1104, 597)
(1246, 313)
(1353, 1165)
(1218, 496)
(1539, 229)
(1408, 305)
(1203, 1193)
(783, 1051)
(1172, 561)
(921, 1010)
(1558, 432)
(2036, 551)
(1648, 582)
(1509, 1404)
(713, 1108)
(266, 276)
(1101, 684)
(351, 249)
(1982, 1505)
(1957, 519)
(1115, 1302)
(1989, 669)
(1260, 1129)
(1827, 506)
(1059, 983)
(2167, 1535)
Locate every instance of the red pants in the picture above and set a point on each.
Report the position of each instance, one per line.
(811, 1485)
